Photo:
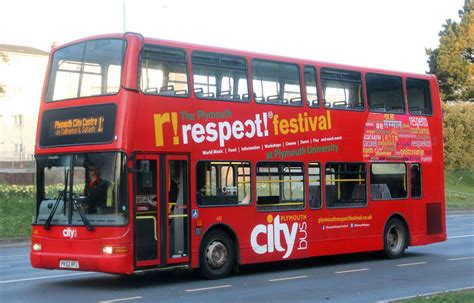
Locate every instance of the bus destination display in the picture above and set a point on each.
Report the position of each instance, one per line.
(79, 125)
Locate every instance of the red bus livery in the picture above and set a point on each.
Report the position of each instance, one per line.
(156, 155)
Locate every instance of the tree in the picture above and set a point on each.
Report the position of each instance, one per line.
(458, 125)
(453, 61)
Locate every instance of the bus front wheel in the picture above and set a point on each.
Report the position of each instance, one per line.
(395, 239)
(217, 255)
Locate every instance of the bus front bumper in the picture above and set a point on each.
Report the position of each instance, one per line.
(48, 254)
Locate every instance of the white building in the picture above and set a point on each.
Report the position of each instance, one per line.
(21, 75)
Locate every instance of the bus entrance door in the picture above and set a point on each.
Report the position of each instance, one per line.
(147, 210)
(177, 210)
(161, 210)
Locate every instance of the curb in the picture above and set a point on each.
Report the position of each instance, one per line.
(15, 242)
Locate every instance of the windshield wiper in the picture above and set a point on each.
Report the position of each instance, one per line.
(86, 221)
(47, 224)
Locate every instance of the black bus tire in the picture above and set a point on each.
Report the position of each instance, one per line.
(217, 255)
(395, 239)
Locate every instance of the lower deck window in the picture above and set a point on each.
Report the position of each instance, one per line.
(388, 181)
(280, 185)
(345, 185)
(223, 183)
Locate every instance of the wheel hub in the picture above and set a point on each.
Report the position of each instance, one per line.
(394, 239)
(216, 254)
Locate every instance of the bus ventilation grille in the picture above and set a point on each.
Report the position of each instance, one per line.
(433, 219)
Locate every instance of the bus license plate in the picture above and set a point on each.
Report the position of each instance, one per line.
(68, 264)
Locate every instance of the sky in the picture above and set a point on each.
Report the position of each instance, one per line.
(387, 34)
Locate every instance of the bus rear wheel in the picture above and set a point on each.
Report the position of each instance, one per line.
(217, 255)
(395, 239)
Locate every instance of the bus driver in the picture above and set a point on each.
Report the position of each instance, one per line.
(95, 190)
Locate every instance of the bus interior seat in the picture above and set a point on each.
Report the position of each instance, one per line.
(415, 110)
(358, 106)
(225, 95)
(331, 195)
(275, 99)
(395, 109)
(198, 92)
(181, 92)
(167, 90)
(314, 195)
(339, 104)
(380, 191)
(378, 107)
(209, 95)
(358, 192)
(296, 100)
(152, 90)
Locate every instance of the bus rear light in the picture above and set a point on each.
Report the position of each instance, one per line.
(109, 250)
(36, 247)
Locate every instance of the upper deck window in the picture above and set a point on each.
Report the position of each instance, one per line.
(163, 71)
(276, 83)
(220, 77)
(342, 89)
(385, 94)
(419, 97)
(311, 86)
(91, 68)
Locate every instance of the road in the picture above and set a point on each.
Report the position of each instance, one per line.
(349, 278)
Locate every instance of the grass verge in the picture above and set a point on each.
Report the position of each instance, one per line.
(16, 209)
(459, 187)
(463, 296)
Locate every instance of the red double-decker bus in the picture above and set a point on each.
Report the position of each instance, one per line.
(155, 154)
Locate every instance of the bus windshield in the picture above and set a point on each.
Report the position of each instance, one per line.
(82, 189)
(91, 68)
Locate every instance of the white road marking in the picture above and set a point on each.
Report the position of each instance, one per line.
(208, 288)
(459, 215)
(12, 256)
(5, 266)
(45, 277)
(287, 278)
(463, 258)
(466, 225)
(462, 236)
(411, 264)
(352, 270)
(425, 295)
(120, 300)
